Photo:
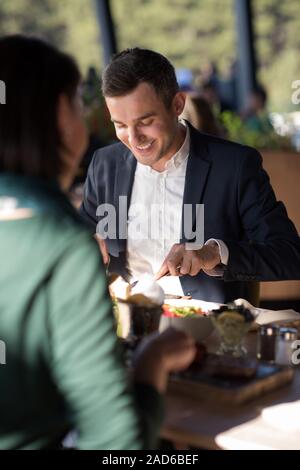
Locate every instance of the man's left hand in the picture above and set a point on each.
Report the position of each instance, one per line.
(180, 262)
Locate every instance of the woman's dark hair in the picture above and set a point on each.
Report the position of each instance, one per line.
(35, 75)
(133, 66)
(199, 113)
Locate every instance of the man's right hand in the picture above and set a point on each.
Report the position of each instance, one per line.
(103, 249)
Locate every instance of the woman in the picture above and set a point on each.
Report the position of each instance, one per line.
(198, 112)
(63, 368)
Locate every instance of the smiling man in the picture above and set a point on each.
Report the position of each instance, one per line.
(148, 124)
(162, 166)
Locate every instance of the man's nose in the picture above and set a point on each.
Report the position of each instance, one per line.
(133, 136)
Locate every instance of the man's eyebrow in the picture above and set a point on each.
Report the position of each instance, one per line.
(140, 118)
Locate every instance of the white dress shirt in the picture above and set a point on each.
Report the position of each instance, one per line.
(154, 218)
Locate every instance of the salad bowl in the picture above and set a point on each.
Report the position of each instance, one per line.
(191, 316)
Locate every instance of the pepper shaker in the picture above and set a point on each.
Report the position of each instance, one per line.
(267, 342)
(284, 351)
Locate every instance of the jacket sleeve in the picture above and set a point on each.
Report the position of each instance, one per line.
(270, 250)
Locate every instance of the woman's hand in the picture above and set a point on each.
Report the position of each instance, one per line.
(160, 354)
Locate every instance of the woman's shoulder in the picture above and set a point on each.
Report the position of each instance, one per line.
(64, 228)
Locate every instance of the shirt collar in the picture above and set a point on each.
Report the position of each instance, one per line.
(182, 154)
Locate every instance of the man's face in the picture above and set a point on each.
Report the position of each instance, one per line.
(145, 125)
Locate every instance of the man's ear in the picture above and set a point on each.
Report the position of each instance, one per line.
(179, 102)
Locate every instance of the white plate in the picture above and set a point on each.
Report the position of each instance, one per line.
(205, 306)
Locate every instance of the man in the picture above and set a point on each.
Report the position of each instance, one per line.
(163, 166)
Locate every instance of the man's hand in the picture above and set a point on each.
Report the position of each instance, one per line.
(103, 249)
(180, 261)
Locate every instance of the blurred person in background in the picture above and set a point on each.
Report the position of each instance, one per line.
(210, 93)
(255, 116)
(63, 366)
(219, 91)
(199, 113)
(185, 79)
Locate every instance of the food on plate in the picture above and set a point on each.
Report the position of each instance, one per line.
(172, 296)
(234, 312)
(230, 367)
(173, 311)
(232, 321)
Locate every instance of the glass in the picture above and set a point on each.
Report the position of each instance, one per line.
(285, 350)
(232, 326)
(136, 321)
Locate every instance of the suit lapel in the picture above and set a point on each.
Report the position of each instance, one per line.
(125, 176)
(196, 175)
(123, 187)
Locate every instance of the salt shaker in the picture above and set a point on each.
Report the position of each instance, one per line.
(267, 342)
(284, 351)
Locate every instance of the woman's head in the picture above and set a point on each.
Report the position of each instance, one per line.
(199, 113)
(41, 129)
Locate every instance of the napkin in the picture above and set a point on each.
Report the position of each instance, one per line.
(285, 416)
(264, 316)
(257, 434)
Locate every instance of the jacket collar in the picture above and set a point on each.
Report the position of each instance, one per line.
(123, 187)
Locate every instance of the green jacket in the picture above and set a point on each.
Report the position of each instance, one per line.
(63, 366)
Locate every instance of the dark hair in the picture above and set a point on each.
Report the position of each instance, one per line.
(261, 93)
(133, 66)
(198, 111)
(35, 74)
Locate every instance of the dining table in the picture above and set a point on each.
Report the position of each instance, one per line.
(203, 423)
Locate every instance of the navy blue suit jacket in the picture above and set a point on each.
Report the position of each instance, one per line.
(240, 209)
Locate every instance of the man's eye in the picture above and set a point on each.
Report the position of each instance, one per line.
(148, 122)
(119, 126)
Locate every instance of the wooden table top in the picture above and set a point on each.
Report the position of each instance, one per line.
(198, 423)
